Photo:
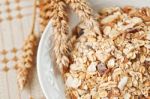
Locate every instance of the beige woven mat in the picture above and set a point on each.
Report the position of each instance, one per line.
(15, 22)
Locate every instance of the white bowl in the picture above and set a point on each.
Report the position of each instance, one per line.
(50, 82)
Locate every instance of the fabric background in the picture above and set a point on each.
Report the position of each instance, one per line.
(15, 23)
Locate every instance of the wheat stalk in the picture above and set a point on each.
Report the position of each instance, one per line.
(85, 13)
(29, 49)
(59, 19)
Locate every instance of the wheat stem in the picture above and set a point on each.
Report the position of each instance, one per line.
(33, 17)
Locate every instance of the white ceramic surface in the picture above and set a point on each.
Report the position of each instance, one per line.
(51, 83)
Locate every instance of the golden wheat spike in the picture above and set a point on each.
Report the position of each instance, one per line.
(29, 51)
(86, 15)
(45, 10)
(59, 19)
(27, 62)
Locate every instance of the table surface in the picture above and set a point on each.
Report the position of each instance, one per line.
(15, 21)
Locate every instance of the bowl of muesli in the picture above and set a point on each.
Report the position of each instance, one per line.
(115, 65)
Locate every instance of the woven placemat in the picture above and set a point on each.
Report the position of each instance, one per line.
(15, 23)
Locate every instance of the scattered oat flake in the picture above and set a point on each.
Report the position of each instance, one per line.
(73, 82)
(147, 46)
(110, 18)
(122, 83)
(111, 63)
(103, 93)
(148, 36)
(113, 33)
(92, 67)
(107, 30)
(126, 96)
(136, 20)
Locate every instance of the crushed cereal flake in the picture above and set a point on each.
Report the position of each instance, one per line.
(73, 82)
(122, 83)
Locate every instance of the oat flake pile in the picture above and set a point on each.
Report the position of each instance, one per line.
(116, 66)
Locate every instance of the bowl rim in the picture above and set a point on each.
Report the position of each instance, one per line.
(45, 33)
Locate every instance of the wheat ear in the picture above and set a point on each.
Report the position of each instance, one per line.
(59, 19)
(45, 10)
(86, 15)
(29, 51)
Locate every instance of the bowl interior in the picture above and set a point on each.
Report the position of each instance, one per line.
(51, 83)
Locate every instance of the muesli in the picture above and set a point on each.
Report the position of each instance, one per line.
(116, 66)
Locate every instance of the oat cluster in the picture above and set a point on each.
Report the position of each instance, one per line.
(117, 65)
